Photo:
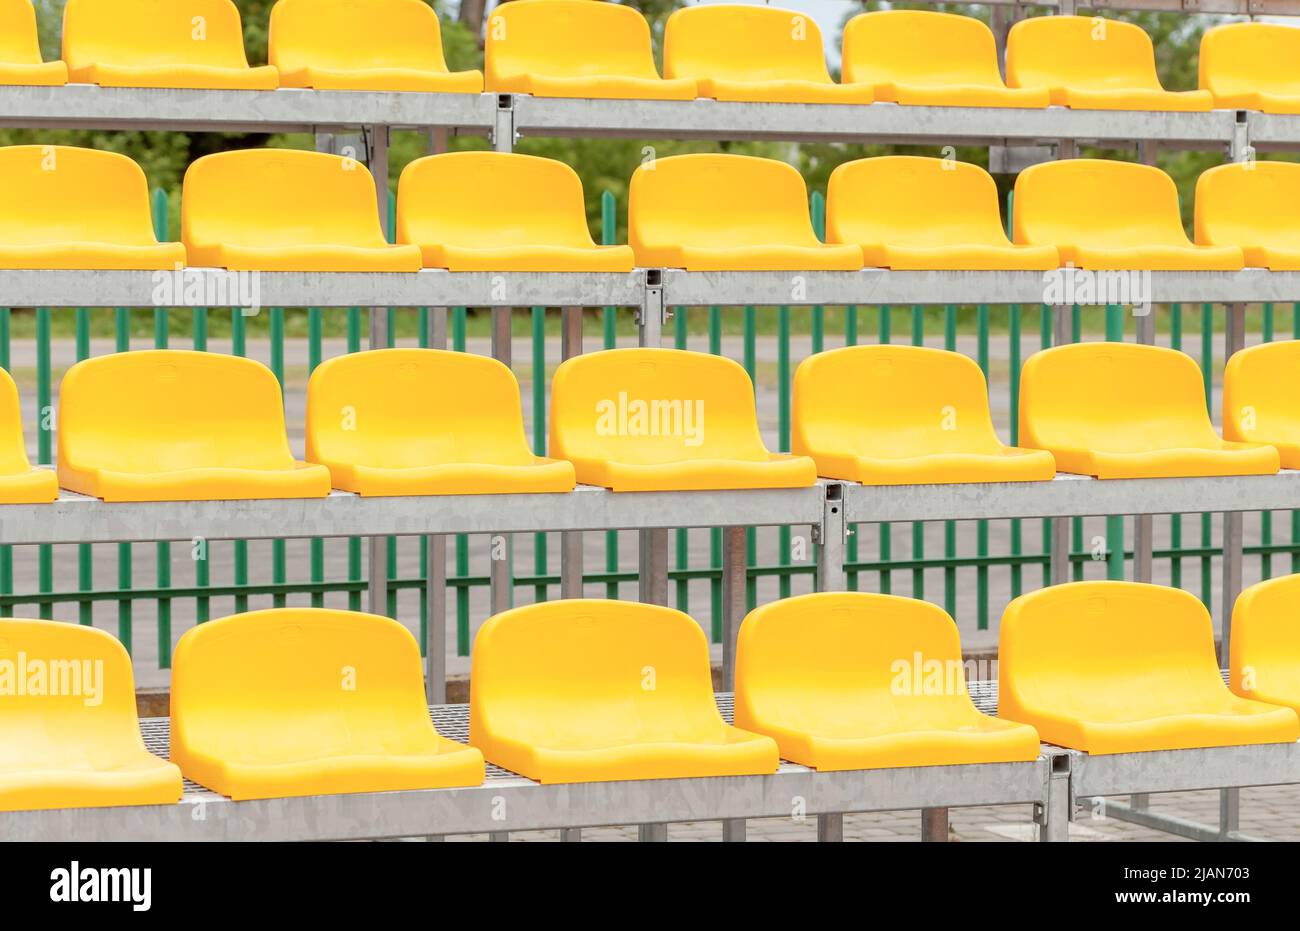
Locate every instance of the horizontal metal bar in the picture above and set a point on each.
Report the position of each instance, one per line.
(1273, 130)
(88, 106)
(1071, 496)
(1169, 824)
(78, 519)
(1183, 770)
(880, 286)
(507, 802)
(211, 287)
(879, 122)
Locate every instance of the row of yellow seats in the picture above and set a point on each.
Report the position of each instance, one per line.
(174, 425)
(310, 701)
(578, 48)
(288, 210)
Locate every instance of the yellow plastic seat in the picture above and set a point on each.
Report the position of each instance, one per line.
(177, 425)
(664, 420)
(753, 53)
(20, 51)
(1124, 667)
(19, 482)
(63, 207)
(1251, 66)
(1124, 410)
(600, 691)
(1261, 398)
(1088, 63)
(308, 701)
(574, 48)
(498, 211)
(370, 422)
(903, 415)
(926, 58)
(363, 45)
(908, 212)
(848, 680)
(69, 735)
(1251, 206)
(699, 212)
(1264, 649)
(1110, 216)
(286, 210)
(160, 43)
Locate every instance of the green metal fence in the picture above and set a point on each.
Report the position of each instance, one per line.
(1026, 564)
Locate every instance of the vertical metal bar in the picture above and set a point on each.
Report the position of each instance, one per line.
(1234, 341)
(750, 362)
(831, 551)
(45, 456)
(852, 545)
(886, 531)
(1017, 527)
(1176, 520)
(982, 526)
(163, 550)
(85, 552)
(735, 573)
(715, 533)
(783, 392)
(652, 555)
(1144, 524)
(315, 325)
(377, 575)
(354, 543)
(239, 347)
(434, 336)
(462, 541)
(1266, 517)
(1061, 525)
(1207, 520)
(918, 527)
(652, 833)
(541, 556)
(199, 554)
(122, 334)
(609, 335)
(571, 541)
(950, 527)
(934, 825)
(279, 554)
(501, 547)
(1114, 522)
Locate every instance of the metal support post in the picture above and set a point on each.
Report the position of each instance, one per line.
(571, 540)
(436, 571)
(653, 544)
(829, 539)
(1054, 816)
(501, 547)
(934, 825)
(503, 130)
(1061, 525)
(377, 158)
(652, 833)
(1234, 340)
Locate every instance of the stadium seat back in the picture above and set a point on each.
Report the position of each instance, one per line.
(710, 199)
(1092, 647)
(70, 736)
(1251, 206)
(1120, 397)
(580, 671)
(278, 197)
(1241, 61)
(833, 660)
(294, 682)
(1080, 51)
(13, 450)
(491, 200)
(60, 194)
(892, 402)
(351, 35)
(1261, 403)
(18, 37)
(566, 38)
(919, 47)
(167, 410)
(1264, 661)
(405, 408)
(1097, 202)
(908, 200)
(151, 33)
(653, 406)
(743, 43)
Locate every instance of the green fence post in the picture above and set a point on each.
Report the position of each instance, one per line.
(982, 526)
(315, 328)
(1114, 522)
(163, 550)
(540, 545)
(45, 452)
(85, 552)
(609, 324)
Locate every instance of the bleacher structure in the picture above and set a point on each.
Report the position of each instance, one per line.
(369, 765)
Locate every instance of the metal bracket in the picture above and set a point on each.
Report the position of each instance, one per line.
(651, 316)
(1240, 149)
(504, 136)
(830, 537)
